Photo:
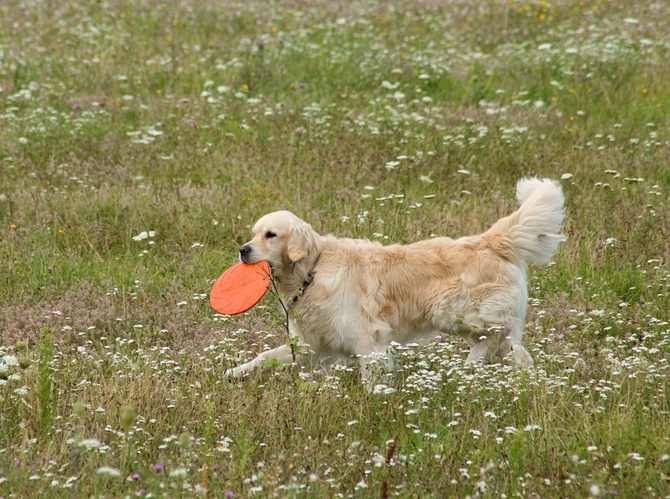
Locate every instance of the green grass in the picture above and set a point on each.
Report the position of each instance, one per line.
(394, 122)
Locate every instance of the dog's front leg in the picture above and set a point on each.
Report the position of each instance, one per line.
(283, 355)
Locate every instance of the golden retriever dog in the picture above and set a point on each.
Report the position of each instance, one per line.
(353, 298)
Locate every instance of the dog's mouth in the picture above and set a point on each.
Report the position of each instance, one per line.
(250, 260)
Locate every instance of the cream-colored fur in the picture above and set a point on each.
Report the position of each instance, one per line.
(363, 296)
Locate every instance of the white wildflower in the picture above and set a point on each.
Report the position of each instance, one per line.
(108, 470)
(90, 443)
(178, 472)
(378, 460)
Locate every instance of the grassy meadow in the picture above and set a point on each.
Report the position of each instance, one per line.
(139, 141)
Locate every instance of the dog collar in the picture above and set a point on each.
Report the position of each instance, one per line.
(306, 282)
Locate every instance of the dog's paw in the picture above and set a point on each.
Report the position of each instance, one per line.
(235, 373)
(522, 357)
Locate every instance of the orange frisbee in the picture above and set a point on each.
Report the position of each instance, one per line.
(240, 287)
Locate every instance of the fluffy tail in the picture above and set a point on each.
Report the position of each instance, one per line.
(532, 232)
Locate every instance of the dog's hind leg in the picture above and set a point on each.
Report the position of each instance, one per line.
(495, 345)
(512, 343)
(484, 347)
(374, 366)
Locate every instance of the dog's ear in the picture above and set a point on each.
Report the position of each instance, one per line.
(298, 242)
(303, 248)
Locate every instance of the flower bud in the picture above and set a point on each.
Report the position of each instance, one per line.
(128, 416)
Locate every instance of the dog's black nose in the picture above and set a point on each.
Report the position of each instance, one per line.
(245, 250)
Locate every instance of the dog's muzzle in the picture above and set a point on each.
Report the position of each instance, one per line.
(245, 253)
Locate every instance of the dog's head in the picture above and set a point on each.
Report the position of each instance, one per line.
(288, 244)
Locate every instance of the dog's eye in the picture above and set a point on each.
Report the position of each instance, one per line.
(269, 234)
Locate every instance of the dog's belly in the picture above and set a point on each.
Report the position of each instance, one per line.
(354, 328)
